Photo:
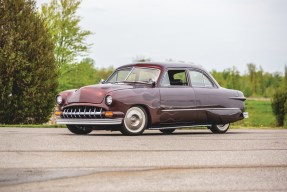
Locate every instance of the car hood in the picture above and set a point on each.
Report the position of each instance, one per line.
(94, 93)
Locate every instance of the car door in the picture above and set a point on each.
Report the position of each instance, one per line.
(177, 97)
(208, 96)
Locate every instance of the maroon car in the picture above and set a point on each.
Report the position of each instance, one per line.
(162, 96)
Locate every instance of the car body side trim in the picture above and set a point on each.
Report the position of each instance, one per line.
(199, 109)
(238, 98)
(178, 126)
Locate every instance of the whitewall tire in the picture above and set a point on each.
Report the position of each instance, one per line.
(135, 121)
(220, 128)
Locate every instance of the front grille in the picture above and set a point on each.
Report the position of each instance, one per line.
(82, 112)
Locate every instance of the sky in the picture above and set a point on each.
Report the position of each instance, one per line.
(215, 34)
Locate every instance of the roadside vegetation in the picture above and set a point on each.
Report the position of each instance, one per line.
(260, 114)
(28, 74)
(279, 106)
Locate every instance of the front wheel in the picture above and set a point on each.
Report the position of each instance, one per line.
(135, 121)
(79, 129)
(219, 128)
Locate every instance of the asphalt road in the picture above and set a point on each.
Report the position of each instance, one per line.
(188, 160)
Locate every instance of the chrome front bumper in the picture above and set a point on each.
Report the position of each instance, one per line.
(245, 115)
(70, 121)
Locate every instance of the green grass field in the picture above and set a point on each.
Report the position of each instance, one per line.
(260, 114)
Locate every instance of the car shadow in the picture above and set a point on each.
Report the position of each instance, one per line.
(145, 134)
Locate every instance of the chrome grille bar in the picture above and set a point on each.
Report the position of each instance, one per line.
(78, 112)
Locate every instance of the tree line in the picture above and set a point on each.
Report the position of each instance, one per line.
(255, 83)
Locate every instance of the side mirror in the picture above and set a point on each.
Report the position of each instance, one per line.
(102, 81)
(153, 84)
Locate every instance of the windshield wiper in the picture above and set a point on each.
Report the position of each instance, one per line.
(140, 82)
(116, 82)
(134, 82)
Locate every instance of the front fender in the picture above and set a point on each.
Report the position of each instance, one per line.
(148, 97)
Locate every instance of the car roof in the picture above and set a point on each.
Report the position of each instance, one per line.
(162, 65)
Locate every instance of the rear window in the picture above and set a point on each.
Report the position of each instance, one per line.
(199, 79)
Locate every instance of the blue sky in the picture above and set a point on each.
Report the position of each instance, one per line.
(216, 34)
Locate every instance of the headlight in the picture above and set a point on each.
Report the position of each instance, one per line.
(59, 99)
(109, 100)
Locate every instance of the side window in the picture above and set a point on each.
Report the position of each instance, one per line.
(198, 79)
(165, 81)
(175, 78)
(119, 75)
(207, 82)
(132, 76)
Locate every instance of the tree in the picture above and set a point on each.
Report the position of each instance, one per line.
(252, 76)
(285, 77)
(103, 73)
(83, 74)
(260, 81)
(28, 78)
(69, 39)
(232, 78)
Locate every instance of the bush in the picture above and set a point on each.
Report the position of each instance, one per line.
(28, 80)
(285, 119)
(247, 91)
(279, 105)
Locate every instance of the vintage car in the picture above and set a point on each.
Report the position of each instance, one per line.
(162, 96)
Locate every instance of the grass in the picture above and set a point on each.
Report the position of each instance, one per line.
(260, 114)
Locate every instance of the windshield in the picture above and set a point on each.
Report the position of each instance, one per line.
(136, 74)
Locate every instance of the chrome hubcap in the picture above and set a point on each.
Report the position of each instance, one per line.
(134, 120)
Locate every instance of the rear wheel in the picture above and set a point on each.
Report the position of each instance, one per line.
(167, 131)
(219, 128)
(79, 129)
(135, 121)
